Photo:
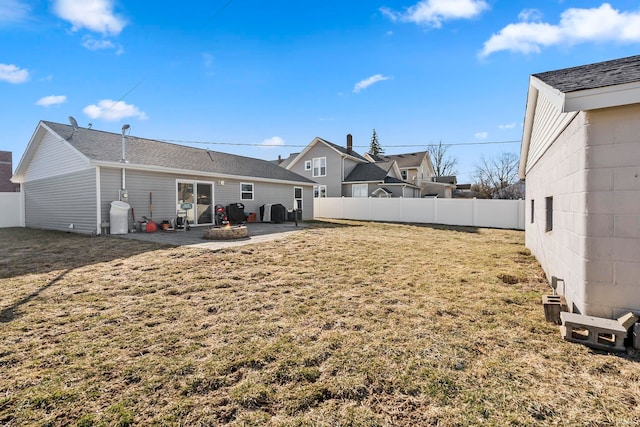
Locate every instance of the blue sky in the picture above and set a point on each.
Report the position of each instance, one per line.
(263, 78)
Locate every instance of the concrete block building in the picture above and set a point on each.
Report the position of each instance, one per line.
(580, 157)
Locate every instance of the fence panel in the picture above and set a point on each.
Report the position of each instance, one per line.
(11, 210)
(464, 212)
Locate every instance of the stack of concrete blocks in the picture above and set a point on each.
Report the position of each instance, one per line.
(596, 332)
(553, 306)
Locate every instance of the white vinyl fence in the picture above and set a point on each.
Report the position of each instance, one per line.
(11, 210)
(466, 212)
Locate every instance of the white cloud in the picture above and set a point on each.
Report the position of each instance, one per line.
(94, 15)
(94, 44)
(433, 12)
(363, 84)
(481, 135)
(13, 11)
(51, 100)
(12, 74)
(111, 110)
(507, 126)
(530, 15)
(601, 24)
(274, 141)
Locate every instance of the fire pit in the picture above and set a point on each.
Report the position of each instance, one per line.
(227, 232)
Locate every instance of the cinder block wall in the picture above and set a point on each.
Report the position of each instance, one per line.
(560, 173)
(612, 241)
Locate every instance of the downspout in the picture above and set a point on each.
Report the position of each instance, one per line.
(124, 195)
(98, 203)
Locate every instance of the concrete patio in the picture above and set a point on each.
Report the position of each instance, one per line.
(258, 232)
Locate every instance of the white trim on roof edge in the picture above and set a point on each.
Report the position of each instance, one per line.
(311, 145)
(589, 99)
(150, 168)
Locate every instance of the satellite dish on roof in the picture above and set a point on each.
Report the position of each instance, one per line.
(74, 123)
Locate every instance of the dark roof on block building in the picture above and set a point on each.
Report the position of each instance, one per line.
(593, 76)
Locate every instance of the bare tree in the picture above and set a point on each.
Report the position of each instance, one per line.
(497, 178)
(443, 164)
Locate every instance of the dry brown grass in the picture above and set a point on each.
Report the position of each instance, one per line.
(341, 324)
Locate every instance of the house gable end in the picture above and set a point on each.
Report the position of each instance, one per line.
(48, 155)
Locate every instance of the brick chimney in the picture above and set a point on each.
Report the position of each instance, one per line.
(349, 143)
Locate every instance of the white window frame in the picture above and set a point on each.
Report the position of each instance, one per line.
(307, 165)
(251, 192)
(300, 199)
(317, 191)
(319, 163)
(404, 174)
(359, 191)
(191, 213)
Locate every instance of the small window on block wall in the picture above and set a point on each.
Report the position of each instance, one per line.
(549, 209)
(533, 210)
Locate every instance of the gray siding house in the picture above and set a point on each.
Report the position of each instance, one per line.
(580, 157)
(70, 176)
(341, 172)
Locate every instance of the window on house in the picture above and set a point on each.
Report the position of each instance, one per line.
(307, 165)
(404, 175)
(359, 190)
(246, 191)
(319, 191)
(549, 209)
(297, 196)
(320, 166)
(532, 211)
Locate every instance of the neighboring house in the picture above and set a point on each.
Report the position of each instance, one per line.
(580, 156)
(341, 172)
(6, 170)
(417, 169)
(71, 175)
(377, 180)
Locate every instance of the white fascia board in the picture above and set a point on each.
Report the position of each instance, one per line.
(306, 150)
(396, 169)
(162, 169)
(312, 144)
(555, 96)
(303, 153)
(32, 147)
(530, 109)
(604, 97)
(362, 182)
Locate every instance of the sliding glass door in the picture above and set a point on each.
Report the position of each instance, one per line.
(200, 196)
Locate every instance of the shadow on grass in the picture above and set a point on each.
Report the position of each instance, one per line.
(29, 251)
(328, 223)
(8, 314)
(459, 228)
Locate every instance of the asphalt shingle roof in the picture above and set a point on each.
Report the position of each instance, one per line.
(343, 150)
(366, 172)
(404, 160)
(106, 146)
(593, 76)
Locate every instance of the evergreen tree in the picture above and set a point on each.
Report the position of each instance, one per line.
(375, 147)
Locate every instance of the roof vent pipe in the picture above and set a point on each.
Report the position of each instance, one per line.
(349, 143)
(124, 138)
